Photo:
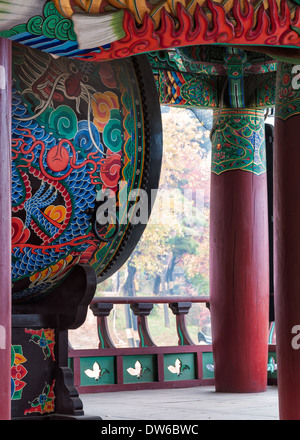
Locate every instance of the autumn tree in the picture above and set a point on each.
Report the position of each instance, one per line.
(178, 226)
(177, 232)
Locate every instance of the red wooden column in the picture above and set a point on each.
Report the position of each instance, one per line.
(5, 228)
(287, 240)
(239, 259)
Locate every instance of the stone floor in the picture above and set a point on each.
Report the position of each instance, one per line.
(200, 403)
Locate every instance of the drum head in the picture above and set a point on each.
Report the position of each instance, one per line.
(86, 153)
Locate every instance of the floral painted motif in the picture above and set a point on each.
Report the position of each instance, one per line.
(18, 372)
(287, 99)
(45, 339)
(96, 372)
(239, 141)
(138, 370)
(44, 403)
(285, 91)
(184, 89)
(178, 368)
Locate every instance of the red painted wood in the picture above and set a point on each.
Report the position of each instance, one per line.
(102, 311)
(199, 365)
(119, 369)
(160, 367)
(182, 331)
(76, 369)
(180, 310)
(136, 351)
(287, 263)
(239, 280)
(5, 228)
(143, 331)
(159, 352)
(142, 311)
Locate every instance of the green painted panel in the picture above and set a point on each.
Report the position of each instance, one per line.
(97, 370)
(238, 142)
(179, 366)
(272, 365)
(141, 368)
(208, 365)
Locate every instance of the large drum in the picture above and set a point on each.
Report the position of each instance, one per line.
(86, 152)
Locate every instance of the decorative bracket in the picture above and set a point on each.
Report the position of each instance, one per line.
(180, 310)
(235, 60)
(102, 311)
(141, 311)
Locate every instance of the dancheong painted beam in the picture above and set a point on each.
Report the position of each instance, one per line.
(121, 28)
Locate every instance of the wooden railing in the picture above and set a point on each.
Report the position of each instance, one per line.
(147, 366)
(141, 307)
(110, 368)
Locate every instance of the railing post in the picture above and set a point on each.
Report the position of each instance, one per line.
(141, 311)
(180, 309)
(102, 311)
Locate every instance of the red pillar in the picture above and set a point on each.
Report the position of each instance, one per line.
(287, 242)
(5, 228)
(239, 259)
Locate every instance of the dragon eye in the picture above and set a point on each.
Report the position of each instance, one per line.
(73, 68)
